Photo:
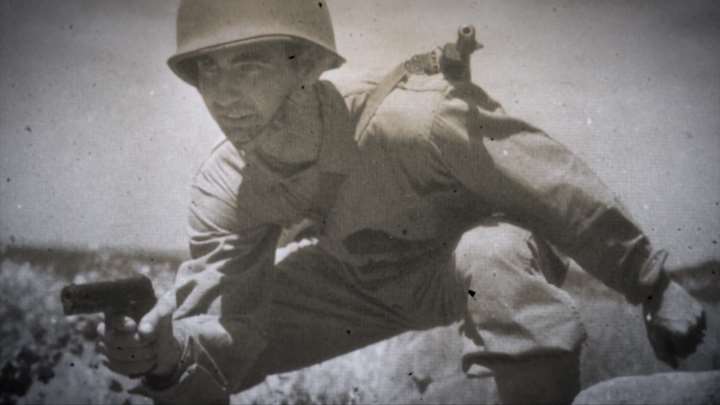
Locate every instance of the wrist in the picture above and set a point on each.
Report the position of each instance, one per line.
(167, 370)
(163, 375)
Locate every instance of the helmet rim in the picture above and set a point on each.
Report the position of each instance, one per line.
(177, 63)
(203, 26)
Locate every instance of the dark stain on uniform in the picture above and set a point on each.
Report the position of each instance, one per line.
(27, 128)
(472, 293)
(291, 57)
(348, 331)
(714, 242)
(8, 180)
(404, 232)
(320, 4)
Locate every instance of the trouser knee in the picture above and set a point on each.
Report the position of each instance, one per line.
(511, 307)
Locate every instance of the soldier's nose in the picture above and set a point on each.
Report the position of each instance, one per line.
(222, 90)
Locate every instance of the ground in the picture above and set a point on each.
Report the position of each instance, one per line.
(49, 358)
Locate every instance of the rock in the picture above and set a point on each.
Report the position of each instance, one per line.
(14, 380)
(115, 386)
(687, 388)
(27, 356)
(45, 373)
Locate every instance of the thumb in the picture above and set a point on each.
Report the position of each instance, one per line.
(151, 322)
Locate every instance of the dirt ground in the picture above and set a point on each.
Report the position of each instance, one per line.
(49, 358)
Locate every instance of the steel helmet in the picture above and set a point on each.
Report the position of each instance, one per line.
(205, 25)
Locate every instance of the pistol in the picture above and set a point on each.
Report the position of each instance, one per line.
(133, 297)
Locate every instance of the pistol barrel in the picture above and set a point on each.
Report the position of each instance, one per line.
(132, 296)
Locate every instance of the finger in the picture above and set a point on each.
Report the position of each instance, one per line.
(101, 329)
(161, 312)
(122, 323)
(199, 298)
(110, 333)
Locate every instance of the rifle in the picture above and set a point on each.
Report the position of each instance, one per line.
(453, 61)
(132, 296)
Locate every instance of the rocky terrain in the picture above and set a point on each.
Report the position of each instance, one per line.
(46, 357)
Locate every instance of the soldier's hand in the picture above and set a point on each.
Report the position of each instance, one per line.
(675, 324)
(157, 326)
(123, 350)
(134, 350)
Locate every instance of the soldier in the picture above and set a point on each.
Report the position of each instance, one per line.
(431, 206)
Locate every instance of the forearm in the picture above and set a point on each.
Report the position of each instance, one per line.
(565, 202)
(530, 177)
(217, 355)
(219, 296)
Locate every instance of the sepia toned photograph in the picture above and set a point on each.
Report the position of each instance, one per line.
(359, 202)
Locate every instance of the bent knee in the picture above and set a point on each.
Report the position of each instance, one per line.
(494, 244)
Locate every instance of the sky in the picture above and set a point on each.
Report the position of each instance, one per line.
(99, 141)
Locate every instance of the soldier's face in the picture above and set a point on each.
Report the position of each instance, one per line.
(244, 87)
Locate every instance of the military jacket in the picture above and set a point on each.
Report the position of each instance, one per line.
(436, 157)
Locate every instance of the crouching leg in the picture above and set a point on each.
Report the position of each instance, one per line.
(517, 323)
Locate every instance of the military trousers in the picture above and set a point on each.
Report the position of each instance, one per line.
(497, 280)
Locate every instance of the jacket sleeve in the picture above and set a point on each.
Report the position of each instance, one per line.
(530, 177)
(220, 292)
